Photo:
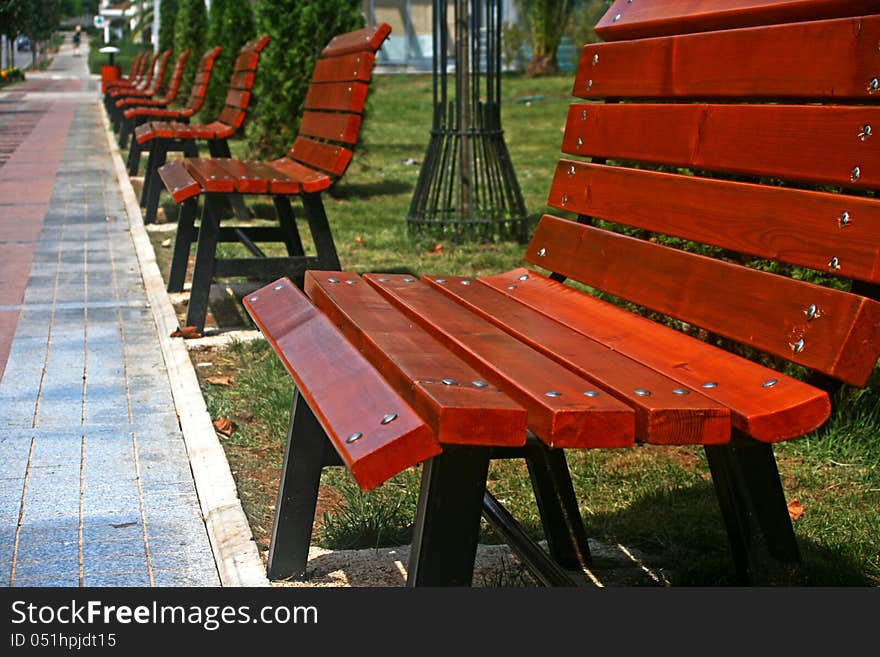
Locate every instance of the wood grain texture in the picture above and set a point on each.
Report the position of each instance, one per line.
(210, 174)
(248, 178)
(778, 61)
(630, 19)
(666, 412)
(338, 96)
(805, 143)
(177, 180)
(566, 419)
(765, 311)
(357, 66)
(799, 227)
(787, 409)
(306, 178)
(326, 157)
(368, 39)
(346, 393)
(331, 125)
(416, 365)
(238, 98)
(231, 116)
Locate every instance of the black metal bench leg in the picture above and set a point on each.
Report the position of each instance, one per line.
(203, 269)
(558, 507)
(287, 223)
(124, 132)
(152, 181)
(182, 242)
(755, 513)
(151, 158)
(305, 454)
(134, 158)
(447, 525)
(328, 260)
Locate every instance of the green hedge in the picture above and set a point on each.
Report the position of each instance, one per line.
(299, 30)
(230, 26)
(167, 17)
(190, 28)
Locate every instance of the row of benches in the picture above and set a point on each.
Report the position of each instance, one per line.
(711, 121)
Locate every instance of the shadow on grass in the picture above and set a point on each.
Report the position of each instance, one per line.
(369, 190)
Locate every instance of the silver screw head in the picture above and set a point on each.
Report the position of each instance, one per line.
(866, 132)
(595, 59)
(580, 142)
(571, 170)
(553, 393)
(873, 85)
(466, 282)
(616, 18)
(681, 391)
(511, 287)
(710, 384)
(524, 277)
(641, 392)
(834, 263)
(383, 279)
(277, 287)
(388, 419)
(440, 280)
(589, 84)
(564, 199)
(542, 252)
(254, 298)
(449, 382)
(332, 280)
(591, 393)
(769, 383)
(856, 174)
(409, 279)
(357, 435)
(479, 384)
(350, 282)
(798, 346)
(812, 311)
(583, 115)
(844, 218)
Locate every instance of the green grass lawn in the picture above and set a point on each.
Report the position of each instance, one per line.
(658, 499)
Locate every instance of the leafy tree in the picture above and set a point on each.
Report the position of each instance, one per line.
(299, 30)
(190, 26)
(230, 26)
(167, 16)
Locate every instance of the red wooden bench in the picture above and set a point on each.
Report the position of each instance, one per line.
(163, 137)
(170, 94)
(142, 82)
(135, 116)
(319, 156)
(722, 129)
(134, 74)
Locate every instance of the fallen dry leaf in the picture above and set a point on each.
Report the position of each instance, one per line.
(437, 248)
(359, 240)
(795, 510)
(219, 380)
(186, 332)
(166, 243)
(224, 425)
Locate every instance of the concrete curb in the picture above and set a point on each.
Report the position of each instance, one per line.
(235, 552)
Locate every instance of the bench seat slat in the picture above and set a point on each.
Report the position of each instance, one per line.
(308, 179)
(569, 419)
(345, 392)
(210, 174)
(761, 62)
(178, 181)
(630, 20)
(787, 409)
(799, 227)
(416, 365)
(768, 312)
(668, 414)
(807, 143)
(247, 179)
(368, 38)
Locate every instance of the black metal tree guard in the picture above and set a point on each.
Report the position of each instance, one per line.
(467, 188)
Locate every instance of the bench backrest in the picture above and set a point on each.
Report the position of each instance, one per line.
(200, 81)
(238, 94)
(334, 102)
(149, 72)
(161, 69)
(752, 149)
(176, 76)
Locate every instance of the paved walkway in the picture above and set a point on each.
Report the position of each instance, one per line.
(96, 487)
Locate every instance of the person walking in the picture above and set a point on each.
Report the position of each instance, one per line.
(77, 35)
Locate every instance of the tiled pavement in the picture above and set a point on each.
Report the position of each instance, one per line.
(95, 484)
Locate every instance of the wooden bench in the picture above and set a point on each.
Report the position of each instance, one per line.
(139, 84)
(726, 148)
(135, 116)
(134, 74)
(163, 137)
(157, 101)
(317, 159)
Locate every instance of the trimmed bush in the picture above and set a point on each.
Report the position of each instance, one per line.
(230, 26)
(190, 28)
(299, 30)
(167, 16)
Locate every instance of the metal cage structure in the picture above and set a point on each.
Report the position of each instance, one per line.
(467, 188)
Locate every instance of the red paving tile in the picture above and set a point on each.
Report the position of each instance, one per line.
(15, 267)
(8, 321)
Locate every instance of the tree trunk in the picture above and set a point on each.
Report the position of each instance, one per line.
(542, 64)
